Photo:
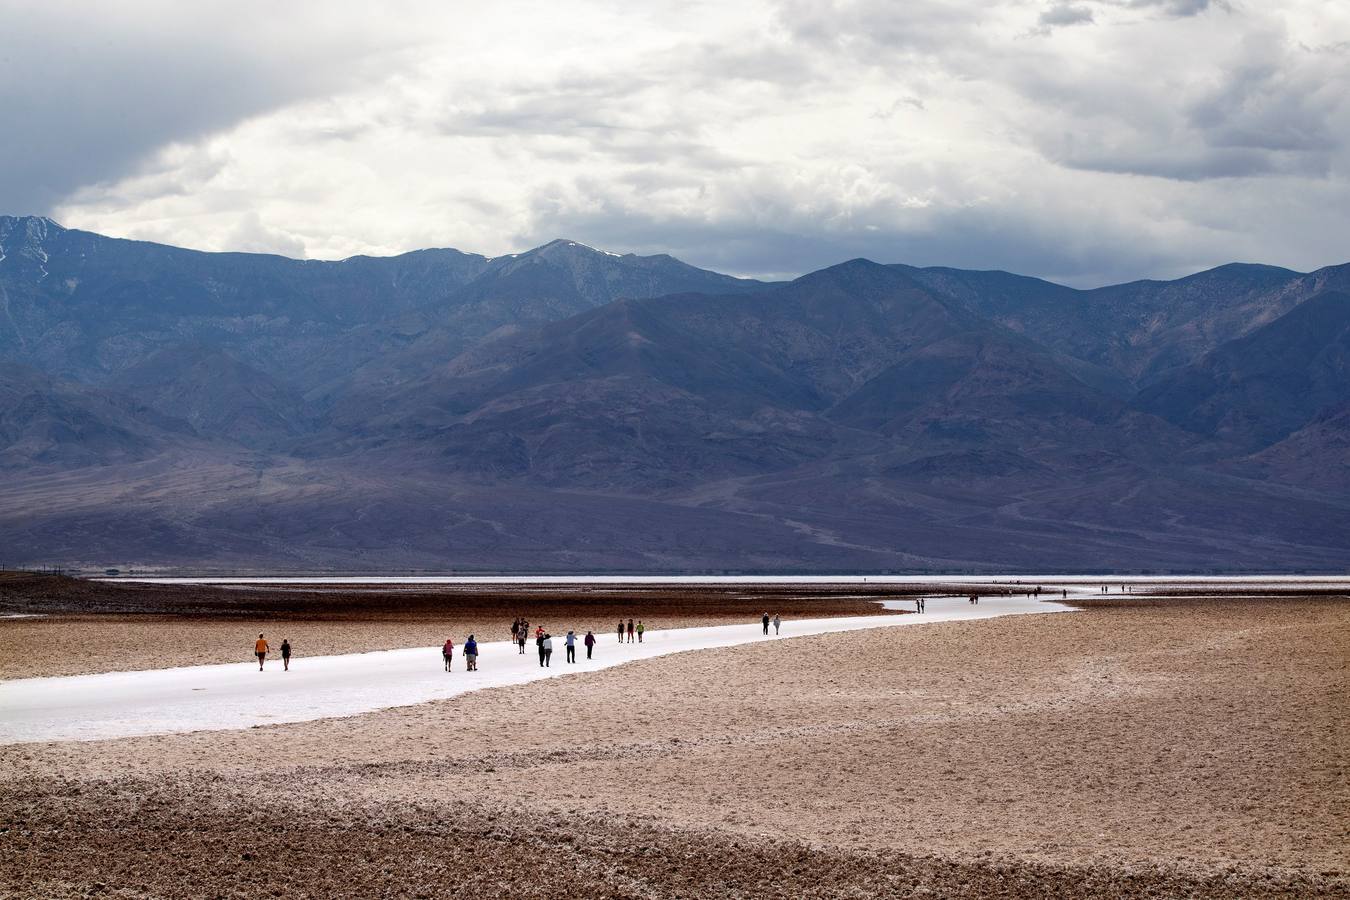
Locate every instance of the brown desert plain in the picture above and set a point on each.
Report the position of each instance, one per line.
(1174, 744)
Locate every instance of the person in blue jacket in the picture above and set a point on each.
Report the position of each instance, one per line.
(471, 655)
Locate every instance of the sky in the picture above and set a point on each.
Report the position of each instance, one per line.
(1087, 141)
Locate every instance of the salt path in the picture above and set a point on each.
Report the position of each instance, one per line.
(237, 695)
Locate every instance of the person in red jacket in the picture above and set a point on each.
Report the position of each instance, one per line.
(447, 651)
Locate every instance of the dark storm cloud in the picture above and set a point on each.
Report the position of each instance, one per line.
(89, 91)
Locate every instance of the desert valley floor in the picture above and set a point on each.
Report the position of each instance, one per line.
(1179, 740)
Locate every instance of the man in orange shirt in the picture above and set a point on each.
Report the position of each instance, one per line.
(260, 648)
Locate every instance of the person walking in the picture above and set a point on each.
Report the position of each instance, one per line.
(471, 655)
(630, 631)
(548, 650)
(524, 636)
(285, 654)
(447, 651)
(621, 631)
(765, 621)
(539, 645)
(515, 629)
(260, 650)
(640, 629)
(571, 642)
(590, 643)
(777, 621)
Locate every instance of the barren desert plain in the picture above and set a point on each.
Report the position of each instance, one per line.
(1178, 740)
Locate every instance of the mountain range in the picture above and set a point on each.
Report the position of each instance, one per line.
(570, 409)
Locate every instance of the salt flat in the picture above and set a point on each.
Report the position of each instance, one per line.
(237, 695)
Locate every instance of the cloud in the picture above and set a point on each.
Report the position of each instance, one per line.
(1173, 7)
(89, 91)
(250, 235)
(1061, 14)
(1078, 139)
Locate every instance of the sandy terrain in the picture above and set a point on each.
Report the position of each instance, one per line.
(1187, 748)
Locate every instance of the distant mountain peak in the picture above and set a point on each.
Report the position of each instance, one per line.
(27, 229)
(23, 240)
(563, 246)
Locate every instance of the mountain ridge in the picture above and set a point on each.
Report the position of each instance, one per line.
(573, 409)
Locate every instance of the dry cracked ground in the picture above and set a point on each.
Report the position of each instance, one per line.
(1174, 748)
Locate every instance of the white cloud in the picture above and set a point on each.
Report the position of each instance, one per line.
(761, 138)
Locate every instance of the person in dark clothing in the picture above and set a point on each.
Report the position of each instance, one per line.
(515, 630)
(548, 650)
(571, 642)
(621, 631)
(285, 654)
(471, 655)
(590, 643)
(765, 620)
(631, 631)
(539, 642)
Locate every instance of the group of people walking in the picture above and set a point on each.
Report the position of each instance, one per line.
(631, 630)
(470, 654)
(261, 648)
(520, 636)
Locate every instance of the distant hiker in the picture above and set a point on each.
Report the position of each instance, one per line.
(285, 654)
(571, 642)
(539, 644)
(640, 628)
(630, 631)
(590, 644)
(515, 630)
(765, 621)
(1065, 592)
(260, 648)
(777, 621)
(548, 650)
(447, 650)
(471, 655)
(921, 603)
(524, 636)
(621, 631)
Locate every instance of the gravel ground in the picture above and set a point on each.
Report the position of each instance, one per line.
(1197, 748)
